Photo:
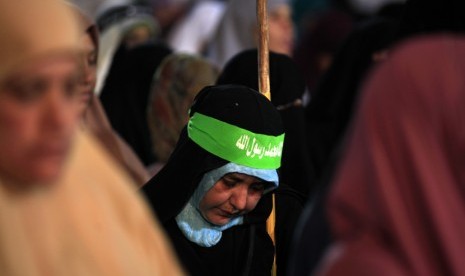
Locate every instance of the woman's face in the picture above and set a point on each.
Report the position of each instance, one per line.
(281, 30)
(89, 76)
(39, 110)
(233, 195)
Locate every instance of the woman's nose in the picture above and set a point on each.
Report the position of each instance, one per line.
(239, 198)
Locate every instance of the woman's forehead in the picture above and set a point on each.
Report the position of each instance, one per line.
(242, 177)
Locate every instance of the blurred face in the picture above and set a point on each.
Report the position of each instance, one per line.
(281, 30)
(235, 194)
(89, 76)
(39, 110)
(137, 36)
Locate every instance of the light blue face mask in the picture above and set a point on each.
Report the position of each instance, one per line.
(191, 222)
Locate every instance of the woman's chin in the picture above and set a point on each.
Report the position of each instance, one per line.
(218, 220)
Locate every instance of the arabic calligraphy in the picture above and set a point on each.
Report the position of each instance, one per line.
(253, 147)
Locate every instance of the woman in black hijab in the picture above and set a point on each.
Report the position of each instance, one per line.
(212, 195)
(126, 91)
(287, 89)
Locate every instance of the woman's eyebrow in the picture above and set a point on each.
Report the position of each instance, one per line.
(233, 177)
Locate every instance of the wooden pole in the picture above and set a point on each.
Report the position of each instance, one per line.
(263, 52)
(264, 88)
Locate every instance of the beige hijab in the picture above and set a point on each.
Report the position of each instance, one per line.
(92, 221)
(29, 29)
(176, 83)
(96, 122)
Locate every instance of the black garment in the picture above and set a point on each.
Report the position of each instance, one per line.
(430, 16)
(331, 109)
(244, 248)
(328, 117)
(311, 237)
(126, 91)
(287, 88)
(289, 206)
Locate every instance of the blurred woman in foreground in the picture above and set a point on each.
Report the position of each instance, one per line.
(65, 208)
(397, 203)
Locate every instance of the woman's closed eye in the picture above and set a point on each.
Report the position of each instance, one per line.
(229, 182)
(258, 187)
(71, 85)
(26, 91)
(253, 185)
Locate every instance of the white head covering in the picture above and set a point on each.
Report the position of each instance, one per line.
(236, 30)
(190, 220)
(371, 6)
(113, 33)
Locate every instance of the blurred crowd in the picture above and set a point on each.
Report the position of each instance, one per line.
(134, 138)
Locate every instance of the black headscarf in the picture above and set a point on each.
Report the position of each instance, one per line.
(287, 88)
(125, 94)
(170, 189)
(286, 82)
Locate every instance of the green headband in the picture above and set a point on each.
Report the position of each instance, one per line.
(235, 144)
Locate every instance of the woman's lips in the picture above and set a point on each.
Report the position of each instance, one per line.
(85, 97)
(57, 152)
(227, 214)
